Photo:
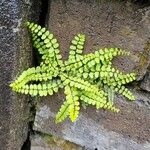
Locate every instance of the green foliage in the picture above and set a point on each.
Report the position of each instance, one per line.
(90, 78)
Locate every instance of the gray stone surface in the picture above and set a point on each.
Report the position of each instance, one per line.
(106, 24)
(127, 130)
(15, 56)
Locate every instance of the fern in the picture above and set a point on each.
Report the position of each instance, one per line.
(89, 79)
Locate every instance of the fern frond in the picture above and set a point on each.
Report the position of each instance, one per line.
(73, 100)
(41, 89)
(46, 43)
(63, 112)
(76, 48)
(78, 83)
(33, 74)
(89, 79)
(110, 92)
(125, 92)
(99, 102)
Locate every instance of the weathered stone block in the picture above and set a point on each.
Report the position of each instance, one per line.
(106, 24)
(99, 129)
(15, 56)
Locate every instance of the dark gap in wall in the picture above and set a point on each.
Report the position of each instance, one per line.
(141, 3)
(44, 11)
(37, 58)
(27, 143)
(36, 61)
(42, 20)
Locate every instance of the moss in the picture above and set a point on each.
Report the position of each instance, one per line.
(144, 58)
(59, 143)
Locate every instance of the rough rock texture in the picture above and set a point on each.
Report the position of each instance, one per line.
(15, 56)
(129, 129)
(46, 142)
(145, 84)
(106, 24)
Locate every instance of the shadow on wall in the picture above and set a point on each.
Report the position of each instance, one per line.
(141, 3)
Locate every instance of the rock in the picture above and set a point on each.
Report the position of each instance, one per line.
(106, 24)
(16, 56)
(47, 142)
(100, 129)
(145, 84)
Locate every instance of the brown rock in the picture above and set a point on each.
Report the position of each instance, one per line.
(145, 84)
(105, 24)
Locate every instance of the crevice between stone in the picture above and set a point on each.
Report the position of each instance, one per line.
(35, 62)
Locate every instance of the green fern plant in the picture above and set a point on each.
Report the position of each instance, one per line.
(89, 78)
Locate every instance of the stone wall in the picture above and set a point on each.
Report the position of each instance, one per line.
(123, 24)
(15, 56)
